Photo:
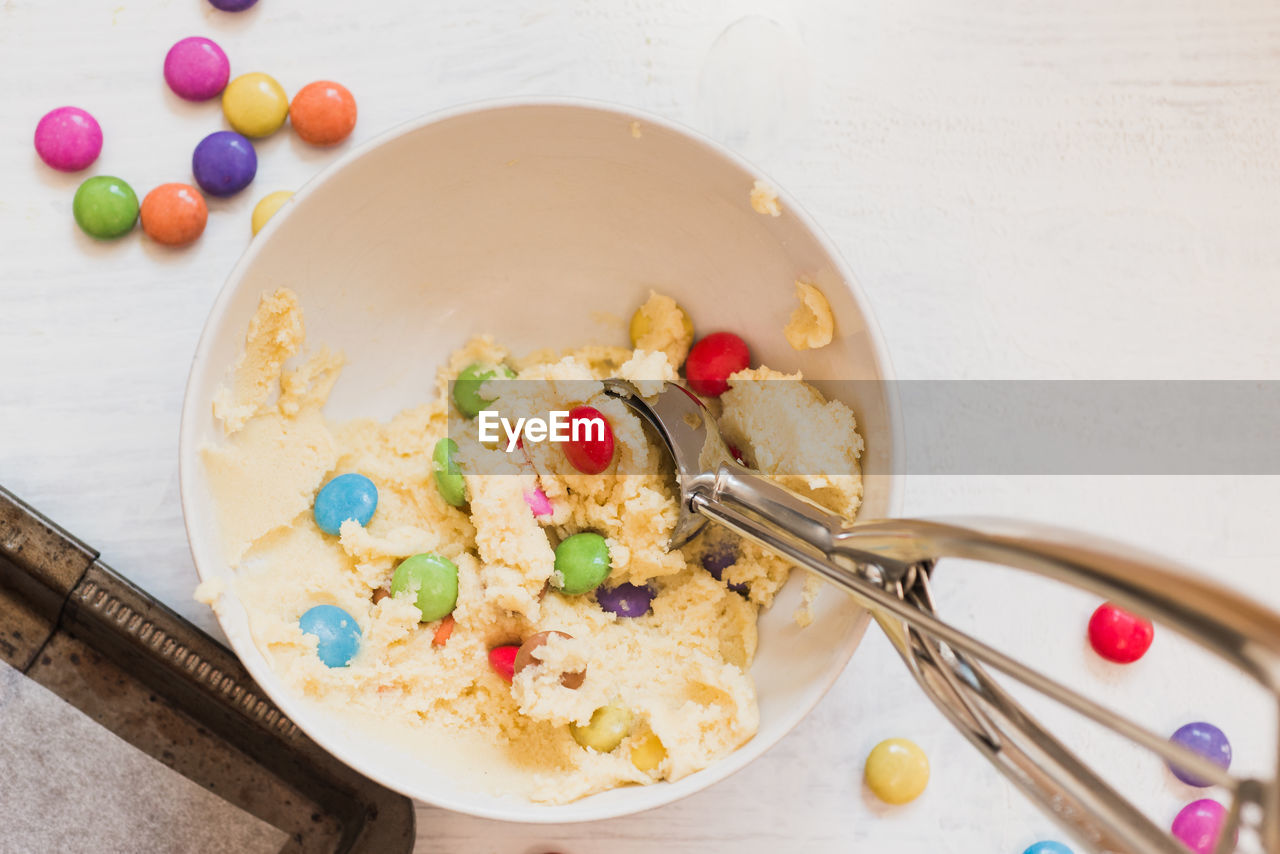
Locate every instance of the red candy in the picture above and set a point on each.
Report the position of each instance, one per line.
(713, 359)
(1119, 636)
(503, 661)
(588, 454)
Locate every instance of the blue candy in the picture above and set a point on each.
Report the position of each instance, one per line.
(1048, 847)
(337, 631)
(347, 496)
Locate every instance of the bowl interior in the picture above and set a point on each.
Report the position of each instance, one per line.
(545, 225)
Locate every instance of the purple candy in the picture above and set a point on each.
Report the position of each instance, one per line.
(1205, 739)
(625, 600)
(224, 163)
(68, 139)
(1198, 824)
(232, 5)
(196, 69)
(717, 559)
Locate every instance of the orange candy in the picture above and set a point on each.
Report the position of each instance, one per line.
(174, 214)
(323, 113)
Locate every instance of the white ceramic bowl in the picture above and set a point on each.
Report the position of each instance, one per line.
(531, 221)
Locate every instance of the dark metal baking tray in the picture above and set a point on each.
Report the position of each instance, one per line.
(75, 626)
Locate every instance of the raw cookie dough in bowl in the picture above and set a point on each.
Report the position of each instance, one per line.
(527, 233)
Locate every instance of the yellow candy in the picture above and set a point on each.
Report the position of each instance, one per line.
(255, 104)
(647, 753)
(267, 206)
(608, 726)
(641, 325)
(897, 771)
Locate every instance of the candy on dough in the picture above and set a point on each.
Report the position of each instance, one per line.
(811, 324)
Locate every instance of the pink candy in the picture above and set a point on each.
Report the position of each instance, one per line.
(68, 139)
(196, 69)
(538, 502)
(1198, 825)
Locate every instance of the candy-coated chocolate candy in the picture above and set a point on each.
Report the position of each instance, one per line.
(897, 771)
(337, 631)
(648, 752)
(1047, 846)
(68, 139)
(255, 104)
(224, 163)
(431, 580)
(453, 489)
(592, 449)
(1119, 636)
(347, 496)
(712, 360)
(466, 388)
(1198, 824)
(105, 207)
(625, 600)
(720, 557)
(196, 69)
(525, 658)
(538, 502)
(608, 726)
(174, 214)
(232, 5)
(582, 563)
(323, 113)
(267, 206)
(503, 661)
(1205, 739)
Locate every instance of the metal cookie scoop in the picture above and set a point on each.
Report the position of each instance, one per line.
(886, 565)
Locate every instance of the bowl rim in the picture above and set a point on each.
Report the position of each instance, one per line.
(188, 454)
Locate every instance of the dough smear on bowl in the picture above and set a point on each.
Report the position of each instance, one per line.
(662, 694)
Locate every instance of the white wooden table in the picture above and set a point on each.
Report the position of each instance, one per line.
(1042, 189)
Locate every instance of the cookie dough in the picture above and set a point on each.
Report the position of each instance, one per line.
(682, 671)
(764, 199)
(811, 324)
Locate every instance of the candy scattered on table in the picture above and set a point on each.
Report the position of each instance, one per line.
(1198, 824)
(232, 5)
(503, 661)
(608, 726)
(466, 388)
(433, 582)
(224, 163)
(625, 600)
(196, 69)
(105, 207)
(648, 752)
(347, 496)
(1048, 846)
(68, 139)
(712, 360)
(448, 476)
(267, 207)
(255, 104)
(592, 450)
(525, 658)
(174, 214)
(323, 113)
(581, 564)
(337, 632)
(1206, 740)
(1119, 636)
(897, 771)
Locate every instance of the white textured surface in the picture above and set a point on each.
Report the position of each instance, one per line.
(1039, 189)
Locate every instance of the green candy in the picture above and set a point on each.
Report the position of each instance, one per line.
(466, 388)
(105, 207)
(448, 477)
(433, 582)
(582, 563)
(608, 726)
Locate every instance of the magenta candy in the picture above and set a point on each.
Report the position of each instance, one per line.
(538, 502)
(196, 69)
(68, 139)
(1198, 825)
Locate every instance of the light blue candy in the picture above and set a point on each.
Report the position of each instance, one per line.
(1048, 847)
(337, 631)
(347, 496)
